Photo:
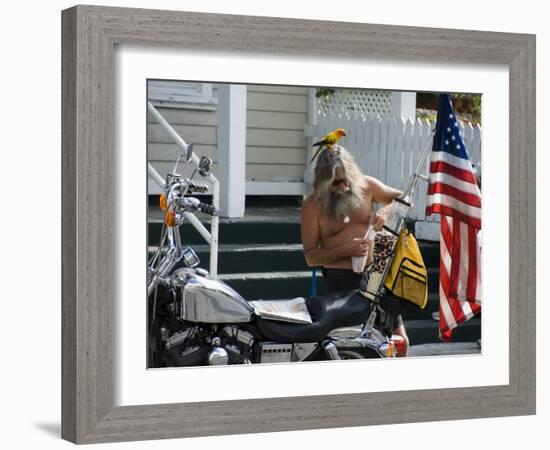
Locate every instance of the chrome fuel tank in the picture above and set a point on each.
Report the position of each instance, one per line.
(209, 301)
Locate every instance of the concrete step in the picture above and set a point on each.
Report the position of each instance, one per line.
(433, 279)
(279, 271)
(251, 232)
(273, 285)
(412, 312)
(255, 258)
(444, 349)
(242, 258)
(430, 253)
(272, 231)
(426, 331)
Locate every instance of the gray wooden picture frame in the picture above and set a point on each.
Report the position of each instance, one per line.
(89, 35)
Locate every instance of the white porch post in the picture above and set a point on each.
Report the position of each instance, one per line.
(311, 122)
(403, 105)
(232, 148)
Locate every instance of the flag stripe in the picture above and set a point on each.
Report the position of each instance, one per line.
(464, 175)
(452, 202)
(455, 256)
(463, 186)
(445, 245)
(446, 278)
(444, 304)
(441, 209)
(472, 264)
(446, 319)
(463, 273)
(446, 336)
(464, 197)
(446, 233)
(454, 305)
(466, 310)
(453, 160)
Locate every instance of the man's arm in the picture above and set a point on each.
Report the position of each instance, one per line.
(384, 194)
(310, 230)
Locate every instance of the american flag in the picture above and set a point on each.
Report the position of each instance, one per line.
(454, 193)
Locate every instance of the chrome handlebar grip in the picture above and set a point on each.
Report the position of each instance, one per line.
(194, 204)
(196, 187)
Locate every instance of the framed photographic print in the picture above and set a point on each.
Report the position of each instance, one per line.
(258, 151)
(188, 164)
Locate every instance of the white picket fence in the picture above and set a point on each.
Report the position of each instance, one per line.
(389, 148)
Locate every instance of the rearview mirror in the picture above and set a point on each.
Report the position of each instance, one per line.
(205, 166)
(189, 154)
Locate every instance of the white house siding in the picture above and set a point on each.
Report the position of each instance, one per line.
(275, 141)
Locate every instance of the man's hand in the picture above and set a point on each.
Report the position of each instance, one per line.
(378, 221)
(358, 247)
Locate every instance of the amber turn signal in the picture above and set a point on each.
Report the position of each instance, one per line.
(170, 218)
(162, 203)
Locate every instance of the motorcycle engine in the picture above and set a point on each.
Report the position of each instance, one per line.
(208, 345)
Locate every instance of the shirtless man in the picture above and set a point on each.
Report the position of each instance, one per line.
(335, 219)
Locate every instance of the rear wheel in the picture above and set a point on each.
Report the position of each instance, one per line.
(359, 353)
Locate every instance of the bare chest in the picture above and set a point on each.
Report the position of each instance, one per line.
(356, 226)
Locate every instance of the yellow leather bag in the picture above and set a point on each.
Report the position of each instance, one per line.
(407, 277)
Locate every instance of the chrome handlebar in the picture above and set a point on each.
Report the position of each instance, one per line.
(181, 187)
(194, 204)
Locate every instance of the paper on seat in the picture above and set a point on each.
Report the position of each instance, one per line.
(294, 310)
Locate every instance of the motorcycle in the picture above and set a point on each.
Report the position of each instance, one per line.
(195, 319)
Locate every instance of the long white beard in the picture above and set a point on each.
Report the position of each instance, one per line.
(340, 205)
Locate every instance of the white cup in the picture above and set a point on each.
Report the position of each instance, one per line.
(358, 262)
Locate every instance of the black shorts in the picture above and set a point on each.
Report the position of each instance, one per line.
(347, 280)
(340, 279)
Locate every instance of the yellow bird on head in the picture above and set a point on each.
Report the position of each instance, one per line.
(329, 140)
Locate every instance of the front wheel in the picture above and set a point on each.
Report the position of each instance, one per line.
(155, 350)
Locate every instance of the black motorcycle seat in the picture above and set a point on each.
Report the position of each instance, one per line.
(336, 310)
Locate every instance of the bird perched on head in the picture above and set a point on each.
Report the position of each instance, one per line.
(329, 140)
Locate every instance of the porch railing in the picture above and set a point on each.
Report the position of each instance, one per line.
(209, 236)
